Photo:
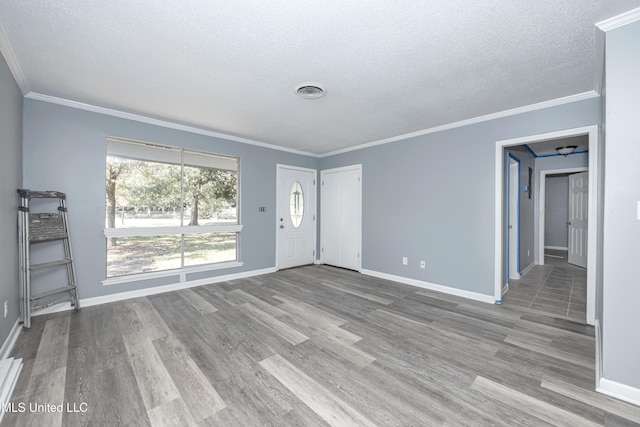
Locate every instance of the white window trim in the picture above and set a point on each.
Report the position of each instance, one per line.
(182, 272)
(127, 148)
(163, 231)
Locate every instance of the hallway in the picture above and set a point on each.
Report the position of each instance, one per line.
(557, 288)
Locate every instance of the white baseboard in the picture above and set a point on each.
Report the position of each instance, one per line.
(557, 248)
(120, 296)
(619, 391)
(526, 270)
(9, 372)
(10, 368)
(432, 286)
(8, 344)
(598, 331)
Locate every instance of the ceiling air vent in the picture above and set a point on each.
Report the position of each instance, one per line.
(310, 91)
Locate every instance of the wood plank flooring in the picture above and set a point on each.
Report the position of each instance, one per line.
(310, 346)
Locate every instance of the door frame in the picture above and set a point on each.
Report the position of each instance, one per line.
(279, 167)
(595, 158)
(512, 161)
(542, 204)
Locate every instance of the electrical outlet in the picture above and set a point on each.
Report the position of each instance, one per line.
(423, 264)
(6, 308)
(405, 261)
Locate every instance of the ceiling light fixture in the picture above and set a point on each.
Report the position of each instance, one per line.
(310, 91)
(565, 151)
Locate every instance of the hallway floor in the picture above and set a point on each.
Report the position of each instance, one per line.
(557, 287)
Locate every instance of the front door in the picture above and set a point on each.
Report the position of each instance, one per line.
(578, 218)
(295, 216)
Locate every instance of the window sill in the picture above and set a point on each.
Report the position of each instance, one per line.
(182, 272)
(161, 231)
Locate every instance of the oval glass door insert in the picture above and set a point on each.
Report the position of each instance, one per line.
(296, 204)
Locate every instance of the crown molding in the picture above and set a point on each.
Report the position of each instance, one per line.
(161, 123)
(200, 131)
(528, 108)
(619, 20)
(12, 62)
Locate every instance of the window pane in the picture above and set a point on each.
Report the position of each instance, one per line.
(143, 254)
(210, 196)
(207, 248)
(149, 185)
(296, 204)
(142, 194)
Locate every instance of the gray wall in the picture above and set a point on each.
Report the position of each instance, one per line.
(431, 197)
(10, 180)
(621, 249)
(64, 150)
(556, 213)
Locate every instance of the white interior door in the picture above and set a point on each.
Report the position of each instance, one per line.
(295, 216)
(341, 217)
(578, 218)
(330, 221)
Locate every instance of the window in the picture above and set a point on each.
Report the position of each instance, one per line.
(296, 205)
(169, 209)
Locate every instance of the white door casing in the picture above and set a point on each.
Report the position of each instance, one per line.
(578, 218)
(542, 206)
(595, 165)
(514, 223)
(341, 217)
(295, 216)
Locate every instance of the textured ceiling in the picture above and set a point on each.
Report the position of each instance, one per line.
(389, 67)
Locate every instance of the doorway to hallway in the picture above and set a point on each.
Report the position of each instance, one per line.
(594, 200)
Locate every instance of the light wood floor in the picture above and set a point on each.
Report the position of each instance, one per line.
(310, 346)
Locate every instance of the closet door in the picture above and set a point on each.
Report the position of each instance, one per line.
(341, 217)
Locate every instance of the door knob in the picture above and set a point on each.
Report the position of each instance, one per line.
(281, 226)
